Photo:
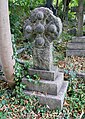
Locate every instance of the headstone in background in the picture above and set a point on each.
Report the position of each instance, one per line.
(76, 47)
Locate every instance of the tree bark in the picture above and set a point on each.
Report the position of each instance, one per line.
(66, 9)
(6, 51)
(80, 18)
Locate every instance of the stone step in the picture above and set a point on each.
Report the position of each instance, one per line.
(80, 53)
(44, 74)
(79, 39)
(77, 45)
(45, 86)
(51, 101)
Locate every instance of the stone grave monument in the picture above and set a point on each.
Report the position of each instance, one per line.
(41, 28)
(76, 47)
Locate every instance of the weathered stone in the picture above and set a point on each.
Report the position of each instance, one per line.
(42, 57)
(28, 29)
(52, 101)
(44, 74)
(75, 53)
(77, 46)
(78, 39)
(45, 86)
(42, 27)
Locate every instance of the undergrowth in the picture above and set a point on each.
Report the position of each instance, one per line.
(16, 105)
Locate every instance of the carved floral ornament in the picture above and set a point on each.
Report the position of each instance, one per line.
(42, 27)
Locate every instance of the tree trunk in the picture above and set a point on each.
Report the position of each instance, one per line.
(6, 51)
(49, 3)
(80, 18)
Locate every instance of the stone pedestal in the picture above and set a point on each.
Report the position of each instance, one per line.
(42, 27)
(51, 88)
(52, 101)
(45, 74)
(76, 47)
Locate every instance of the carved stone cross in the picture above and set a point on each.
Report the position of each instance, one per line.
(42, 27)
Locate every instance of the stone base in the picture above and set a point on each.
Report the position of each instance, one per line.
(80, 53)
(45, 86)
(44, 74)
(51, 88)
(51, 101)
(76, 47)
(78, 39)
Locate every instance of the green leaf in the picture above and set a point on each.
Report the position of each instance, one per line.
(4, 102)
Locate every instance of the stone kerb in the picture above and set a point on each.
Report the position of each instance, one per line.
(76, 47)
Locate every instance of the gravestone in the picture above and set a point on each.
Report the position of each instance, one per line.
(41, 28)
(76, 47)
